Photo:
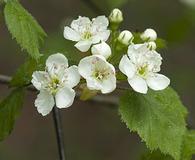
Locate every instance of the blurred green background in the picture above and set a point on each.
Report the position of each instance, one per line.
(93, 131)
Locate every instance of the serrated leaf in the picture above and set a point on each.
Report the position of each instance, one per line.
(158, 118)
(189, 145)
(10, 107)
(24, 28)
(23, 74)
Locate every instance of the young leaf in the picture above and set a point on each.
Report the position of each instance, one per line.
(24, 28)
(189, 145)
(23, 75)
(9, 110)
(158, 118)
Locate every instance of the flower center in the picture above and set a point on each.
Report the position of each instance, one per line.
(100, 75)
(142, 71)
(53, 85)
(87, 35)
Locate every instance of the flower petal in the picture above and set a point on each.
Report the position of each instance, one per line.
(93, 84)
(109, 85)
(101, 49)
(39, 78)
(64, 97)
(83, 46)
(101, 22)
(44, 102)
(56, 61)
(80, 23)
(85, 66)
(138, 84)
(101, 36)
(70, 34)
(72, 76)
(126, 67)
(158, 82)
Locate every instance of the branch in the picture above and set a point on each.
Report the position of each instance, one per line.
(110, 100)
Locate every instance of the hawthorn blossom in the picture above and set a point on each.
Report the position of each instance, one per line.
(99, 74)
(55, 84)
(141, 66)
(86, 32)
(101, 49)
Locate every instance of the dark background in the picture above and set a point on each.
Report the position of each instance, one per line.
(93, 131)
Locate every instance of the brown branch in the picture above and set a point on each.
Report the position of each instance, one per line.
(110, 100)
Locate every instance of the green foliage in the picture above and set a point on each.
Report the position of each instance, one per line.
(10, 107)
(24, 28)
(158, 118)
(156, 155)
(23, 74)
(189, 145)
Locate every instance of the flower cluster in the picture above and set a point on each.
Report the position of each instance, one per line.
(141, 64)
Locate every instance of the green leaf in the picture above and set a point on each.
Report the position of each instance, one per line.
(24, 28)
(158, 118)
(10, 107)
(156, 155)
(23, 75)
(189, 145)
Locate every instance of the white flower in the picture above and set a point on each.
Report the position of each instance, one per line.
(141, 66)
(125, 37)
(55, 84)
(99, 74)
(116, 16)
(101, 49)
(149, 34)
(86, 32)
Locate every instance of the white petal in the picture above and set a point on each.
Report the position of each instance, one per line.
(104, 35)
(126, 67)
(138, 84)
(109, 85)
(101, 22)
(39, 78)
(79, 23)
(83, 46)
(56, 61)
(158, 82)
(44, 102)
(73, 76)
(101, 49)
(85, 67)
(93, 84)
(70, 34)
(64, 97)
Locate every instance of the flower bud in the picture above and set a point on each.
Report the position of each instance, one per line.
(125, 37)
(152, 45)
(101, 49)
(116, 16)
(149, 35)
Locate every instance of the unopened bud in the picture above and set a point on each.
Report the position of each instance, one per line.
(149, 35)
(116, 16)
(125, 37)
(152, 45)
